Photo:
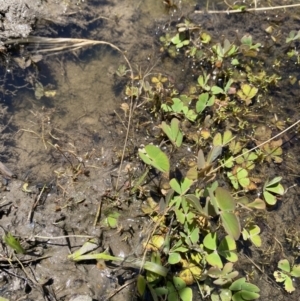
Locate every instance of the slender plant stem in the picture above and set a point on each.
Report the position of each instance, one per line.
(64, 236)
(232, 11)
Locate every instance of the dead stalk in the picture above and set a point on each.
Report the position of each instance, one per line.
(29, 219)
(232, 11)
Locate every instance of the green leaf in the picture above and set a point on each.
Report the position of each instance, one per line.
(231, 224)
(217, 90)
(242, 176)
(205, 38)
(194, 202)
(254, 235)
(186, 185)
(288, 285)
(173, 132)
(153, 156)
(247, 92)
(141, 285)
(293, 35)
(224, 199)
(90, 245)
(257, 204)
(225, 295)
(202, 102)
(237, 284)
(180, 216)
(3, 299)
(227, 244)
(296, 271)
(249, 287)
(217, 139)
(269, 198)
(176, 39)
(235, 62)
(233, 180)
(244, 295)
(284, 265)
(214, 260)
(12, 242)
(112, 219)
(175, 186)
(229, 162)
(210, 241)
(227, 137)
(174, 258)
(247, 40)
(182, 188)
(178, 283)
(194, 236)
(177, 105)
(191, 115)
(256, 240)
(279, 276)
(277, 188)
(275, 181)
(249, 295)
(214, 153)
(186, 294)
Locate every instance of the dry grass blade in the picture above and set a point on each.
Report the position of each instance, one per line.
(231, 11)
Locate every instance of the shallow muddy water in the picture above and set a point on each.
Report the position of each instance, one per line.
(66, 147)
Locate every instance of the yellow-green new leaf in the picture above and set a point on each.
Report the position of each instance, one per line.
(246, 93)
(153, 156)
(12, 242)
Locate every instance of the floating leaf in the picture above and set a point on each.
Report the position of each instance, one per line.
(217, 90)
(252, 233)
(270, 198)
(271, 188)
(179, 40)
(153, 156)
(204, 101)
(239, 175)
(293, 35)
(220, 140)
(246, 93)
(173, 132)
(205, 38)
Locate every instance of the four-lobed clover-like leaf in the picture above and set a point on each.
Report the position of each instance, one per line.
(247, 93)
(153, 156)
(286, 274)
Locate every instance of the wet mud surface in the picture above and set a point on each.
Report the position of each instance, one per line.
(66, 150)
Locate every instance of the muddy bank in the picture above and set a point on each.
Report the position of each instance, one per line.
(18, 18)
